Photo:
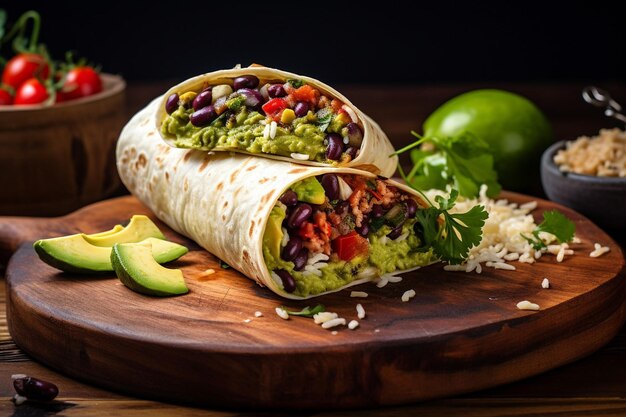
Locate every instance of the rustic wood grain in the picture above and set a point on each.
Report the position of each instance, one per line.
(460, 333)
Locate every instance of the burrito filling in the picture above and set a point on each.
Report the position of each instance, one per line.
(327, 231)
(291, 119)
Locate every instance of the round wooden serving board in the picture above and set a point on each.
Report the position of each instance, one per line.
(461, 332)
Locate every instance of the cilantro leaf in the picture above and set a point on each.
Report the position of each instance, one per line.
(556, 223)
(463, 161)
(451, 239)
(306, 311)
(224, 265)
(295, 83)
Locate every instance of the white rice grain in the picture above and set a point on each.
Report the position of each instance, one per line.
(353, 324)
(282, 313)
(358, 294)
(513, 256)
(501, 265)
(382, 281)
(527, 305)
(561, 255)
(599, 250)
(285, 239)
(324, 316)
(247, 320)
(300, 156)
(394, 279)
(408, 295)
(266, 132)
(273, 127)
(360, 311)
(545, 283)
(334, 323)
(317, 258)
(530, 206)
(258, 314)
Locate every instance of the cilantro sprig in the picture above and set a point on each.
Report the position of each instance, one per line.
(450, 235)
(556, 223)
(306, 311)
(464, 162)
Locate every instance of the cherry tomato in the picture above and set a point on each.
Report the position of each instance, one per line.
(80, 82)
(31, 92)
(23, 67)
(350, 245)
(5, 97)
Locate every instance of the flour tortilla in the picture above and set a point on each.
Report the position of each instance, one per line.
(220, 200)
(375, 149)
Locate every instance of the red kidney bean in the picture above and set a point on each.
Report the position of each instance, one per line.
(172, 103)
(355, 134)
(289, 284)
(352, 151)
(334, 149)
(411, 208)
(276, 90)
(300, 260)
(301, 108)
(395, 233)
(203, 99)
(203, 117)
(377, 211)
(299, 215)
(254, 99)
(289, 198)
(292, 249)
(35, 389)
(245, 81)
(342, 208)
(331, 186)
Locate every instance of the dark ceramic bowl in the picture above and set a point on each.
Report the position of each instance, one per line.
(601, 199)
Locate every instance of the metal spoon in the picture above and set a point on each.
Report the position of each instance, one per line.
(601, 98)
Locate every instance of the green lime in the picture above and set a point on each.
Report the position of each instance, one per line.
(516, 130)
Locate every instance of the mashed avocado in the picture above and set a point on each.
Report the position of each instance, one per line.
(243, 130)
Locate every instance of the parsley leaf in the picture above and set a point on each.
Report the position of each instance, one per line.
(295, 83)
(451, 239)
(463, 161)
(306, 311)
(556, 223)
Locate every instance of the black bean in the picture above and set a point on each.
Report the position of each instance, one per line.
(289, 284)
(203, 99)
(342, 208)
(352, 151)
(299, 215)
(276, 90)
(334, 146)
(395, 233)
(245, 81)
(300, 260)
(172, 103)
(411, 208)
(301, 108)
(364, 229)
(331, 186)
(289, 198)
(377, 211)
(203, 117)
(292, 248)
(35, 389)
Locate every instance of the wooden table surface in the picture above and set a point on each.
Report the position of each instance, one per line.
(593, 386)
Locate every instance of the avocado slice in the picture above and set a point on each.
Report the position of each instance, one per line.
(309, 190)
(116, 228)
(136, 268)
(139, 228)
(273, 231)
(75, 254)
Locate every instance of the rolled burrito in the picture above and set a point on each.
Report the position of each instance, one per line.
(301, 231)
(275, 114)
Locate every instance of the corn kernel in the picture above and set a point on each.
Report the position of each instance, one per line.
(343, 118)
(288, 116)
(187, 97)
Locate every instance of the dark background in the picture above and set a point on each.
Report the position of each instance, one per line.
(343, 42)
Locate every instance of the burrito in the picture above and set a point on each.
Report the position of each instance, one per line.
(301, 231)
(275, 114)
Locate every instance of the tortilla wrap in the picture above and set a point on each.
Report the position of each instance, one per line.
(220, 200)
(375, 148)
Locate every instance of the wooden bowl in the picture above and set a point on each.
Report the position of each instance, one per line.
(56, 159)
(601, 199)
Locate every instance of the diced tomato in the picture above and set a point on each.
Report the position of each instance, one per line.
(306, 93)
(336, 105)
(350, 245)
(274, 108)
(306, 231)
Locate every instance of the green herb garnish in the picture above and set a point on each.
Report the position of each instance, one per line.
(306, 311)
(451, 239)
(323, 120)
(556, 223)
(464, 162)
(295, 83)
(224, 265)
